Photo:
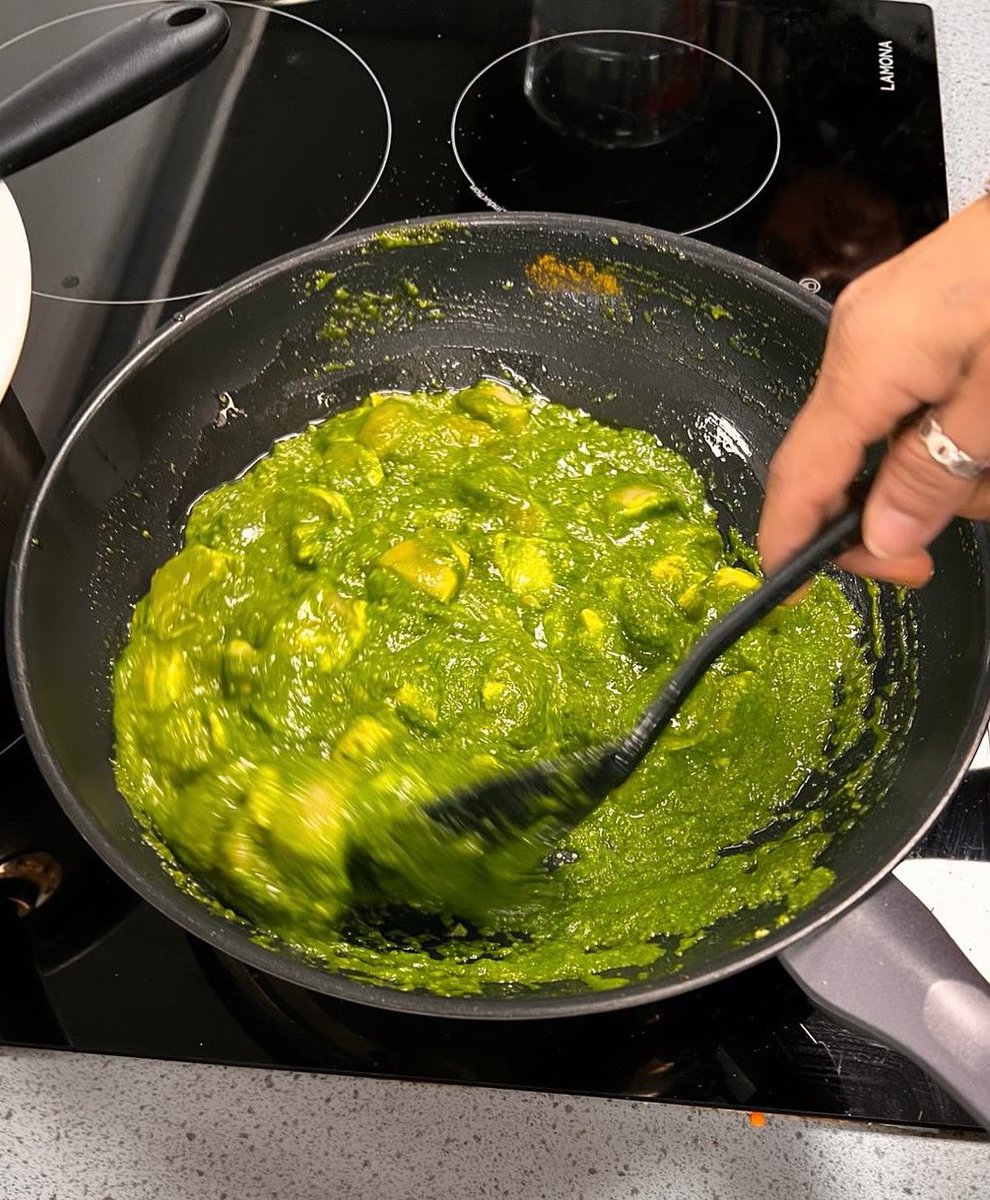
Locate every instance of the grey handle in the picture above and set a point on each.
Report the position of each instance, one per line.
(888, 968)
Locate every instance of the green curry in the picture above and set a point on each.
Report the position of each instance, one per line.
(428, 586)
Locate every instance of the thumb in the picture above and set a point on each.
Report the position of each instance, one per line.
(915, 496)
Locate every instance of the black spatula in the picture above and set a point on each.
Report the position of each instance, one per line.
(548, 798)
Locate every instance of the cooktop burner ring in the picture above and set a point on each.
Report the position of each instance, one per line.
(693, 47)
(276, 11)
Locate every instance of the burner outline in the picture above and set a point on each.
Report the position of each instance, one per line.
(279, 12)
(553, 37)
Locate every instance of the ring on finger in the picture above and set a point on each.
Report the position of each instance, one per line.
(943, 450)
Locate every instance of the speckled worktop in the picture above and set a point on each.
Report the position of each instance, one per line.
(116, 1129)
(79, 1127)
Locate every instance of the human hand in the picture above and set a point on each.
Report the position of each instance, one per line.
(912, 333)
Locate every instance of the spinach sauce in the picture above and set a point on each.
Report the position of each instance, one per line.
(429, 586)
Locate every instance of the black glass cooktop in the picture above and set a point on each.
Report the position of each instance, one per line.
(805, 135)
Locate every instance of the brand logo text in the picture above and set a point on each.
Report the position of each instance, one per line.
(886, 61)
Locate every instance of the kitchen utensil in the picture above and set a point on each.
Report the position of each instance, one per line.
(709, 351)
(545, 800)
(114, 75)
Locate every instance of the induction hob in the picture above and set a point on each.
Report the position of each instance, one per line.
(803, 135)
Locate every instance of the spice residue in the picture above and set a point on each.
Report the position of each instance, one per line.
(550, 274)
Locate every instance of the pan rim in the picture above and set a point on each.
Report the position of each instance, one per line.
(233, 939)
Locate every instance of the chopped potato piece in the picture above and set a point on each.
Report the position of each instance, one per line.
(684, 731)
(326, 627)
(496, 404)
(689, 600)
(591, 621)
(333, 502)
(353, 464)
(390, 428)
(719, 592)
(184, 742)
(374, 399)
(361, 738)
(492, 691)
(516, 693)
(647, 616)
(498, 488)
(431, 562)
(237, 665)
(306, 543)
(298, 816)
(523, 564)
(633, 502)
(461, 555)
(735, 578)
(218, 731)
(171, 605)
(323, 510)
(672, 568)
(165, 678)
(459, 430)
(245, 859)
(731, 695)
(484, 760)
(416, 707)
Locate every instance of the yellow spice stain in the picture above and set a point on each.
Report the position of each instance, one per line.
(550, 274)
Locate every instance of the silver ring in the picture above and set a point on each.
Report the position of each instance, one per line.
(947, 454)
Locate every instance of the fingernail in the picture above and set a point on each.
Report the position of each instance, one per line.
(890, 533)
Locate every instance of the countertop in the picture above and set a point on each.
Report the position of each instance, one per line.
(117, 1129)
(82, 1127)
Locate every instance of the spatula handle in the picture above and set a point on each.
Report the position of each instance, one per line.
(111, 77)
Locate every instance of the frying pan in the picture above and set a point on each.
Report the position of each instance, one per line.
(709, 351)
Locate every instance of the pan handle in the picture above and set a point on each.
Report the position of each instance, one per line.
(115, 75)
(888, 969)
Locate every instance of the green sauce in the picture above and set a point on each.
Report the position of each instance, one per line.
(427, 587)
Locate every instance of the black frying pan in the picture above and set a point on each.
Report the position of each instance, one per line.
(720, 389)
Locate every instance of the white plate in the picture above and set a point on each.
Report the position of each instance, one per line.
(15, 286)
